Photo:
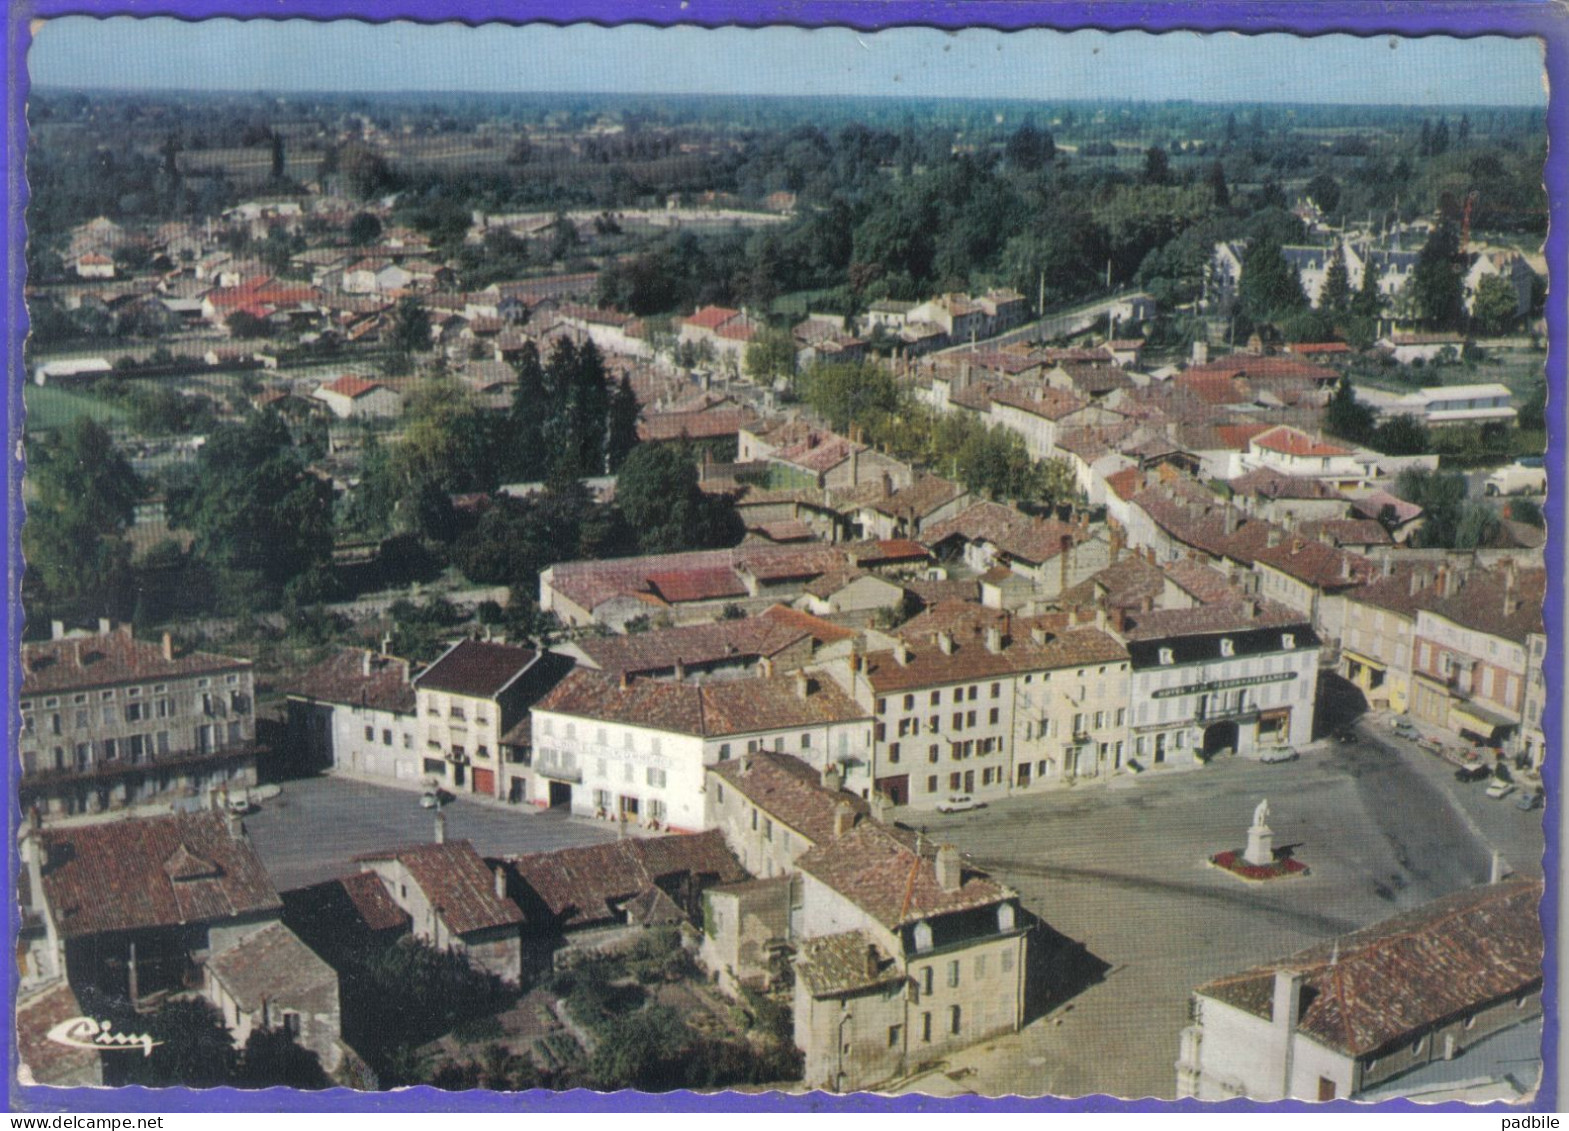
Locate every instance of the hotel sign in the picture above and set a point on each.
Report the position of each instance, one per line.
(1222, 685)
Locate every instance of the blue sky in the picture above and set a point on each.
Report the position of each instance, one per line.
(348, 55)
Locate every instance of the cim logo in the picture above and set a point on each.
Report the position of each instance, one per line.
(85, 1033)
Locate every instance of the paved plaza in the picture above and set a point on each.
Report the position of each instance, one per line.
(1122, 871)
(315, 827)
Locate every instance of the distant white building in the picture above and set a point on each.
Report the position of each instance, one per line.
(357, 397)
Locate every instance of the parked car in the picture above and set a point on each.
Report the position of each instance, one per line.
(1405, 729)
(1529, 801)
(959, 803)
(1526, 476)
(1500, 790)
(1432, 746)
(1472, 773)
(1278, 754)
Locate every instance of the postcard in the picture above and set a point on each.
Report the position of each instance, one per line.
(752, 559)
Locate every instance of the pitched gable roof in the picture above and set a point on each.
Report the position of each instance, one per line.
(151, 872)
(790, 791)
(476, 668)
(454, 879)
(1382, 985)
(583, 886)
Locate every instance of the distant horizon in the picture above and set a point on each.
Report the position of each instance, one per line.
(301, 57)
(455, 92)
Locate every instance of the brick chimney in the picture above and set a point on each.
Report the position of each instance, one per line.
(831, 778)
(945, 643)
(873, 964)
(1040, 636)
(1273, 539)
(501, 883)
(168, 648)
(57, 630)
(994, 640)
(901, 653)
(681, 670)
(366, 663)
(803, 684)
(441, 824)
(844, 818)
(105, 626)
(1116, 544)
(1287, 1002)
(947, 867)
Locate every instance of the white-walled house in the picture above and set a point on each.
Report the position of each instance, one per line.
(1405, 1007)
(354, 711)
(359, 398)
(638, 749)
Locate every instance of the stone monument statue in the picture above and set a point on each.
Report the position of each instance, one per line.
(1261, 841)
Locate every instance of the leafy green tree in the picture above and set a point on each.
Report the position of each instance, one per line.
(271, 1058)
(73, 538)
(851, 393)
(622, 430)
(1369, 300)
(1030, 148)
(1336, 296)
(657, 491)
(650, 1050)
(1270, 287)
(1347, 417)
(1496, 306)
(525, 455)
(771, 354)
(1324, 191)
(1216, 180)
(410, 327)
(1528, 511)
(254, 509)
(1438, 277)
(1157, 166)
(1402, 435)
(364, 229)
(278, 159)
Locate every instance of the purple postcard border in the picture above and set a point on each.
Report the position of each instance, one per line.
(1519, 18)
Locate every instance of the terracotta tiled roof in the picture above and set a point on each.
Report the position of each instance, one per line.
(342, 678)
(844, 964)
(1294, 442)
(703, 425)
(100, 661)
(591, 583)
(477, 668)
(677, 586)
(710, 710)
(1237, 616)
(352, 387)
(888, 551)
(1484, 601)
(1406, 590)
(1373, 503)
(1127, 584)
(790, 791)
(369, 898)
(151, 872)
(877, 869)
(580, 887)
(1316, 563)
(1346, 531)
(455, 879)
(733, 641)
(1125, 483)
(1384, 985)
(928, 666)
(1205, 584)
(270, 965)
(711, 317)
(920, 498)
(1018, 535)
(1246, 365)
(821, 631)
(1268, 483)
(1051, 403)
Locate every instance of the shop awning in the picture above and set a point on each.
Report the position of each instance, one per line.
(1483, 722)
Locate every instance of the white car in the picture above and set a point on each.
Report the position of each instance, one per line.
(958, 803)
(1500, 789)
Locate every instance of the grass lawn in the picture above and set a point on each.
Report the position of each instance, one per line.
(49, 407)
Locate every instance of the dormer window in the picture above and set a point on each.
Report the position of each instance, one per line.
(1005, 917)
(1288, 641)
(1228, 646)
(923, 936)
(1166, 657)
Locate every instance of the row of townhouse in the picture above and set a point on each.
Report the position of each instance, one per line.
(111, 722)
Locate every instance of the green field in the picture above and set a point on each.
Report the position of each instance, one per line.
(49, 408)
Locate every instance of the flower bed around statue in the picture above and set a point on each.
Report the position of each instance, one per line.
(1278, 870)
